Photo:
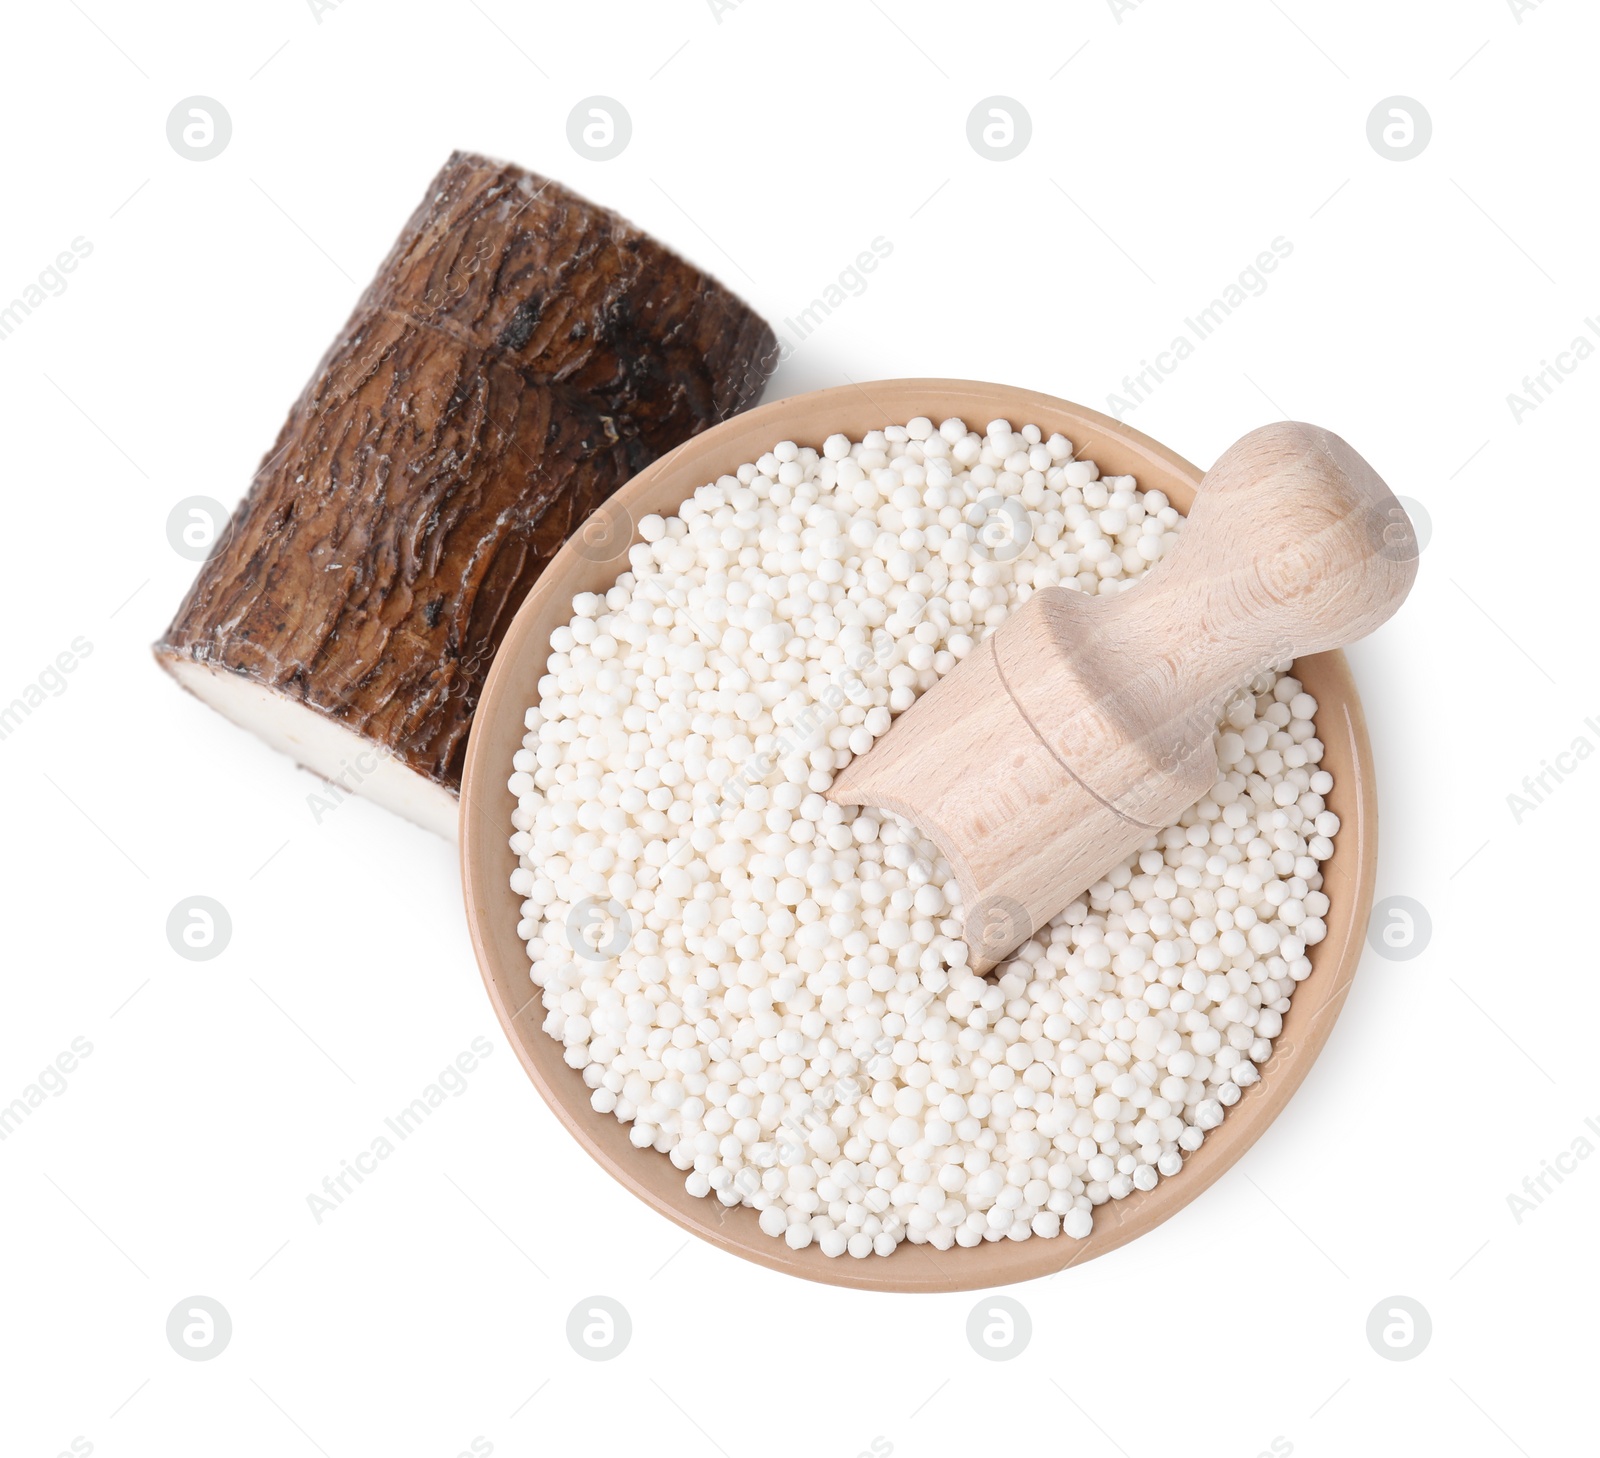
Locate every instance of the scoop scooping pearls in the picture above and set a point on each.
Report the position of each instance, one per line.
(1085, 723)
(771, 988)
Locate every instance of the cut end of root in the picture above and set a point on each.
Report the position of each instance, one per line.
(349, 763)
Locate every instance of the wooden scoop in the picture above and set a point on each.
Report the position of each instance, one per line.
(1083, 725)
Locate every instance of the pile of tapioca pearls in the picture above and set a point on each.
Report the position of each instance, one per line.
(770, 989)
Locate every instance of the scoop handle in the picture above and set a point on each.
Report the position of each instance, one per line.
(1294, 545)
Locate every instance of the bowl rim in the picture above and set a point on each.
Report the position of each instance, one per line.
(591, 560)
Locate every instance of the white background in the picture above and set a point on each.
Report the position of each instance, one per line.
(1170, 145)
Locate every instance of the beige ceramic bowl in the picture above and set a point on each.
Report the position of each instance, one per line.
(591, 562)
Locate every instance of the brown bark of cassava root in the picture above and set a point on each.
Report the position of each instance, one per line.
(520, 354)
